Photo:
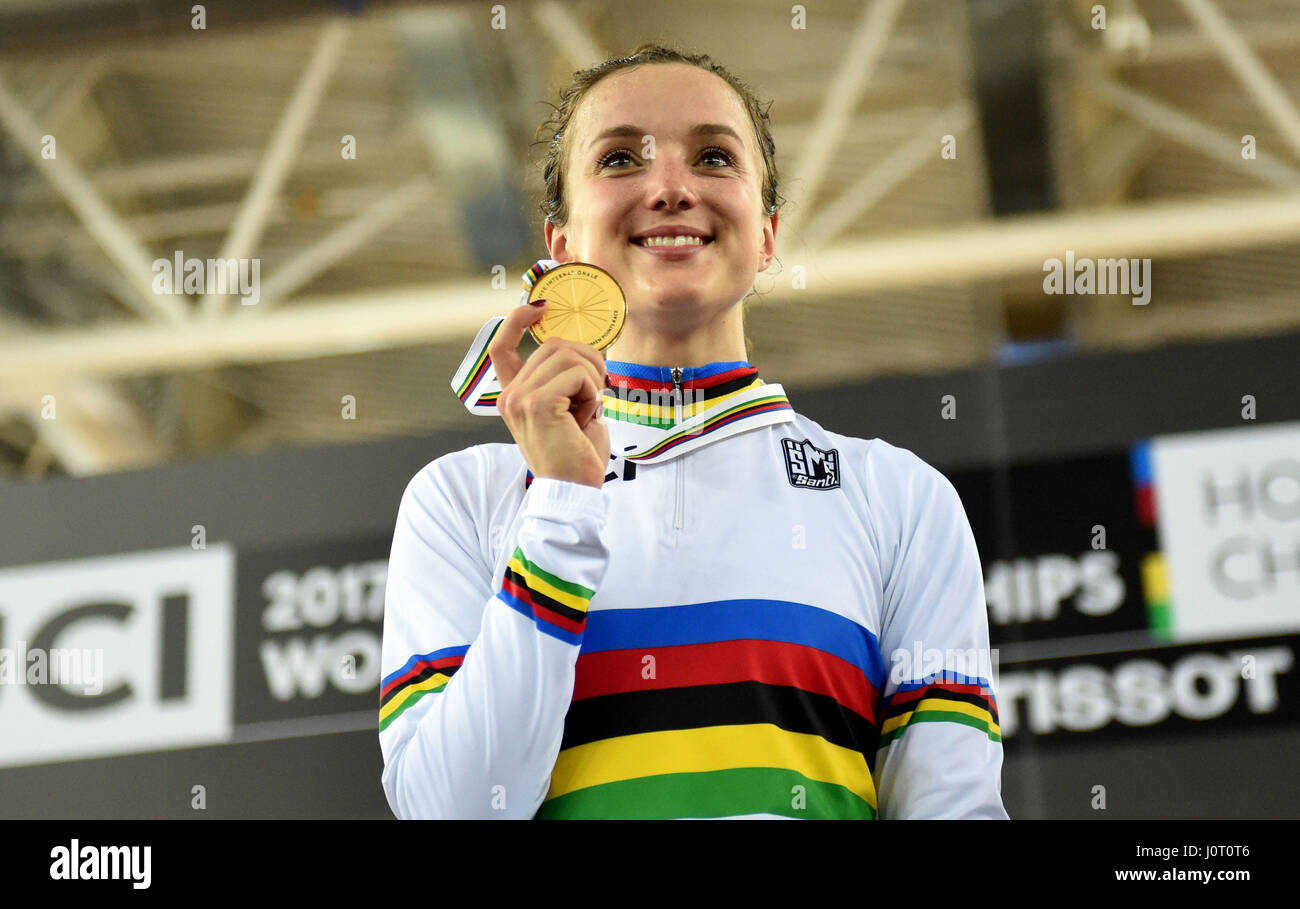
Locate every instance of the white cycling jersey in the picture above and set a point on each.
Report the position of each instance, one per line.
(754, 617)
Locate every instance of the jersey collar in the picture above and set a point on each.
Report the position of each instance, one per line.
(717, 400)
(654, 413)
(647, 395)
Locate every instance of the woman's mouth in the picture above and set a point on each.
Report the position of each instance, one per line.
(680, 246)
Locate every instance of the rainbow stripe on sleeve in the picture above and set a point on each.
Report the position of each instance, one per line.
(950, 698)
(557, 606)
(424, 673)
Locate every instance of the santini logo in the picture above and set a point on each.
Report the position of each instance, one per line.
(808, 467)
(102, 863)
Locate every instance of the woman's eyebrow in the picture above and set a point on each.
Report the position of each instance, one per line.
(699, 129)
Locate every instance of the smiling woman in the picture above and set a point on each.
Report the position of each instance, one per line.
(648, 608)
(696, 169)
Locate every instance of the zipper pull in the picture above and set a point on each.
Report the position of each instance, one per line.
(677, 391)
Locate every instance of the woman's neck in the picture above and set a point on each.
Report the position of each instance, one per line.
(708, 344)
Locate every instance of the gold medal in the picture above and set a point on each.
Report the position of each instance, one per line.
(583, 303)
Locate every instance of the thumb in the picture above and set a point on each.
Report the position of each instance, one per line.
(504, 349)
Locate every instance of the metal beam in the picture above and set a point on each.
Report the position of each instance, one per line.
(156, 175)
(1113, 156)
(343, 240)
(359, 322)
(109, 231)
(352, 323)
(570, 37)
(832, 219)
(1181, 127)
(844, 91)
(31, 237)
(74, 95)
(94, 429)
(466, 134)
(1187, 45)
(1249, 70)
(1021, 245)
(276, 163)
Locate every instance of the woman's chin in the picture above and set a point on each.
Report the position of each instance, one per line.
(671, 294)
(666, 319)
(685, 299)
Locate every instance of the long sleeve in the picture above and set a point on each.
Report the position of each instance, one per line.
(478, 671)
(940, 750)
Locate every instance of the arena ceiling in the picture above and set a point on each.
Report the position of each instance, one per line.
(377, 270)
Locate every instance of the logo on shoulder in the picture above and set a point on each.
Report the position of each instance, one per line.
(809, 467)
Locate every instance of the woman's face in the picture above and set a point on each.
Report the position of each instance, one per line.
(699, 172)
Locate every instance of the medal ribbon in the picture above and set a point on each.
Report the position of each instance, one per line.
(475, 381)
(758, 405)
(477, 386)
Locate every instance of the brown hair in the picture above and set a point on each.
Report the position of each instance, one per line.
(555, 207)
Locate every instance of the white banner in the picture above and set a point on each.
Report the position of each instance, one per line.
(116, 654)
(1228, 505)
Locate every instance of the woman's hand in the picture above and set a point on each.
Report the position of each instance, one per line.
(551, 403)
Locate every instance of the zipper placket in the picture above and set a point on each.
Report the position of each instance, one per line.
(677, 401)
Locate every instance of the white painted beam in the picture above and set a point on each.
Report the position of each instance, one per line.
(843, 92)
(888, 174)
(1186, 129)
(1250, 71)
(359, 322)
(343, 240)
(571, 38)
(109, 231)
(278, 160)
(94, 430)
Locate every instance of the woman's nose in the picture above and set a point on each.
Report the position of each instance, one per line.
(671, 184)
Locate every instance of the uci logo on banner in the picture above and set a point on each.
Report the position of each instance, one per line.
(809, 467)
(115, 654)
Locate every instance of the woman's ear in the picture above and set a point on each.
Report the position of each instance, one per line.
(767, 243)
(557, 242)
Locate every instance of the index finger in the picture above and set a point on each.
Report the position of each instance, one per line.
(504, 349)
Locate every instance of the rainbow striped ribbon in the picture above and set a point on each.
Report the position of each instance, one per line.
(475, 381)
(759, 405)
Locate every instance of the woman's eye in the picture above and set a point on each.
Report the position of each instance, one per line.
(716, 153)
(613, 156)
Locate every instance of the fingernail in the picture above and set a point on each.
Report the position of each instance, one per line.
(536, 302)
(608, 383)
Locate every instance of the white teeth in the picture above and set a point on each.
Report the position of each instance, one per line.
(672, 241)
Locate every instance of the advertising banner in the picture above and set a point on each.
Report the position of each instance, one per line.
(1228, 505)
(116, 654)
(310, 629)
(1129, 592)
